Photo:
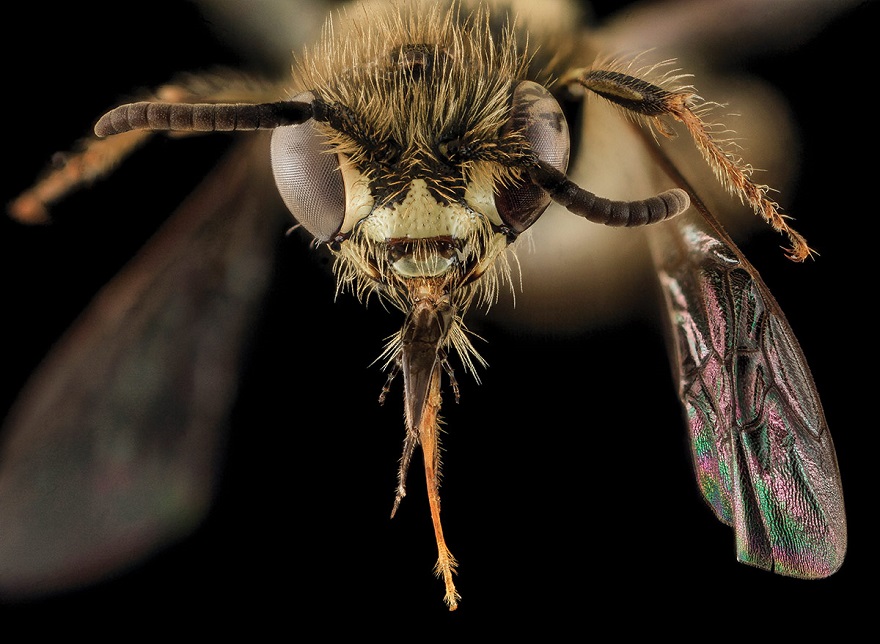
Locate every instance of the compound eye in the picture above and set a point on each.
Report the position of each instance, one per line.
(536, 114)
(308, 177)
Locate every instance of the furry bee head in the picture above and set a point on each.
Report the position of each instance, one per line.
(429, 117)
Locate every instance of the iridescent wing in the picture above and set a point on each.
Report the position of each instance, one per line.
(761, 449)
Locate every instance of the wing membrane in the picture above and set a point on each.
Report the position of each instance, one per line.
(111, 449)
(762, 452)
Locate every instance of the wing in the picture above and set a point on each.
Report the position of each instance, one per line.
(761, 449)
(111, 450)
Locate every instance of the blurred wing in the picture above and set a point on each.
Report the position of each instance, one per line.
(112, 448)
(761, 448)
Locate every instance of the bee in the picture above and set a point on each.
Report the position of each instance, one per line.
(417, 145)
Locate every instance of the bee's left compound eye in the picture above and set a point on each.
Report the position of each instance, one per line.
(308, 177)
(536, 114)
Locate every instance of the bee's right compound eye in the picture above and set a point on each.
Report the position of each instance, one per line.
(536, 114)
(308, 177)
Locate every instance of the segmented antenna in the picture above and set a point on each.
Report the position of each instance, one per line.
(202, 117)
(599, 210)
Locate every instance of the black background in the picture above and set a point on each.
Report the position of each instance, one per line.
(568, 498)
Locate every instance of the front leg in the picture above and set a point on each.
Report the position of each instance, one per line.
(93, 158)
(650, 102)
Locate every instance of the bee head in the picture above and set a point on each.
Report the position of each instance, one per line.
(414, 163)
